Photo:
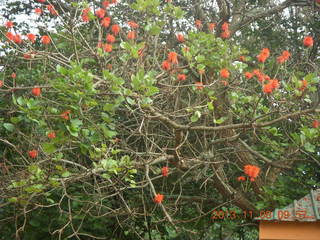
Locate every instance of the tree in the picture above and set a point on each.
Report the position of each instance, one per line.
(136, 120)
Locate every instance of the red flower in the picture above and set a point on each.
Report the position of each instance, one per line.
(27, 56)
(85, 14)
(10, 36)
(51, 135)
(248, 75)
(9, 24)
(31, 37)
(158, 198)
(252, 179)
(36, 91)
(133, 24)
(262, 58)
(107, 47)
(45, 39)
(100, 13)
(110, 38)
(113, 1)
(33, 153)
(38, 11)
(166, 65)
(224, 73)
(105, 4)
(225, 26)
(65, 115)
(1, 83)
(165, 171)
(180, 37)
(266, 51)
(225, 34)
(41, 1)
(315, 124)
(105, 22)
(308, 41)
(182, 77)
(17, 39)
(212, 26)
(199, 85)
(131, 35)
(251, 170)
(280, 59)
(198, 23)
(13, 75)
(173, 57)
(241, 178)
(52, 10)
(115, 29)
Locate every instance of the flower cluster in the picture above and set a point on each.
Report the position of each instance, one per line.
(251, 171)
(283, 57)
(225, 30)
(264, 54)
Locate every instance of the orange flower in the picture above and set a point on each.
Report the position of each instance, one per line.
(251, 170)
(182, 77)
(110, 38)
(9, 24)
(165, 171)
(1, 83)
(115, 29)
(267, 88)
(241, 178)
(41, 1)
(13, 75)
(52, 10)
(248, 75)
(173, 57)
(198, 23)
(224, 73)
(308, 41)
(304, 84)
(36, 91)
(38, 11)
(33, 153)
(274, 83)
(45, 39)
(166, 65)
(105, 22)
(315, 124)
(266, 51)
(180, 37)
(131, 35)
(252, 179)
(65, 115)
(262, 58)
(51, 135)
(225, 26)
(242, 58)
(133, 24)
(113, 1)
(158, 198)
(10, 36)
(280, 59)
(286, 54)
(199, 85)
(211, 26)
(100, 13)
(107, 47)
(17, 39)
(31, 37)
(225, 34)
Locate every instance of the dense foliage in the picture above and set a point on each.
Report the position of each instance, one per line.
(145, 119)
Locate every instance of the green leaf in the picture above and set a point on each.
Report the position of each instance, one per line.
(65, 174)
(309, 147)
(8, 126)
(49, 148)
